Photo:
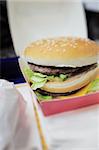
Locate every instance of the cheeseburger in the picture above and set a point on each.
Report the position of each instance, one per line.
(60, 66)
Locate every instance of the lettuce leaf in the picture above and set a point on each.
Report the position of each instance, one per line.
(94, 86)
(28, 72)
(38, 79)
(50, 78)
(37, 85)
(39, 74)
(63, 77)
(42, 97)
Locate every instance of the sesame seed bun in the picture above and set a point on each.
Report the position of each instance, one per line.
(62, 51)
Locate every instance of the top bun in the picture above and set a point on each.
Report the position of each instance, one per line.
(62, 51)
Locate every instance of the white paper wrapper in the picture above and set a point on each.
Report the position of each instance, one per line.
(15, 126)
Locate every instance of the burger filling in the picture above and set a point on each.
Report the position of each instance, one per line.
(39, 75)
(51, 70)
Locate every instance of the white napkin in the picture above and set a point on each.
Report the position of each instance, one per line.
(15, 126)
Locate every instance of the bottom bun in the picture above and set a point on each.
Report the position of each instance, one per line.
(72, 83)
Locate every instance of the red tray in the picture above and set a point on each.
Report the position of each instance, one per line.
(56, 106)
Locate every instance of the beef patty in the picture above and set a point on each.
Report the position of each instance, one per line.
(51, 70)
